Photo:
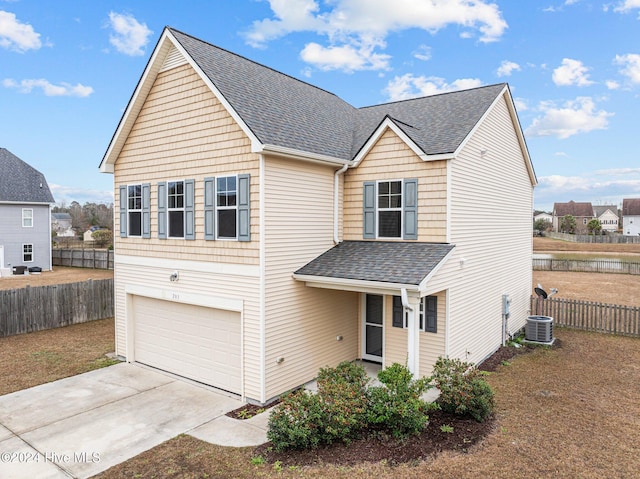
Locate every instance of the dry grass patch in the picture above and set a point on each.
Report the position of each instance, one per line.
(567, 412)
(31, 359)
(542, 244)
(59, 275)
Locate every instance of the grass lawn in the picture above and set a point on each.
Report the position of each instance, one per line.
(30, 359)
(573, 411)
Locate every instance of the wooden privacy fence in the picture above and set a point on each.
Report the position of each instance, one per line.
(589, 315)
(610, 238)
(586, 265)
(83, 258)
(44, 307)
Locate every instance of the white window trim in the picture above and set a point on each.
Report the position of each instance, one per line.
(24, 210)
(134, 210)
(225, 208)
(23, 253)
(400, 209)
(169, 210)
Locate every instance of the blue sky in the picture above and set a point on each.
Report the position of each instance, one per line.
(68, 69)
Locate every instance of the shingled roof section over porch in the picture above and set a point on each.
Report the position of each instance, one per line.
(390, 265)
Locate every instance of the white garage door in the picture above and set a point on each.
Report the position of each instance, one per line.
(192, 341)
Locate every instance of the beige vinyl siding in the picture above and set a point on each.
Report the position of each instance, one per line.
(201, 283)
(491, 204)
(184, 132)
(302, 323)
(432, 345)
(391, 159)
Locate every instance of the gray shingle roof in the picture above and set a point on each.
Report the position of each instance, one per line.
(20, 182)
(283, 111)
(631, 207)
(379, 261)
(599, 210)
(572, 208)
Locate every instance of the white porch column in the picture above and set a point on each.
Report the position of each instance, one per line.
(411, 305)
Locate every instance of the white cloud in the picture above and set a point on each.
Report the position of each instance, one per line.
(17, 36)
(521, 104)
(129, 36)
(506, 68)
(574, 117)
(423, 53)
(346, 57)
(357, 27)
(67, 194)
(49, 89)
(626, 6)
(612, 84)
(571, 72)
(410, 86)
(630, 65)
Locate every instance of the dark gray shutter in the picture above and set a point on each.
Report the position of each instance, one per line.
(189, 210)
(146, 210)
(410, 209)
(431, 314)
(162, 210)
(398, 313)
(209, 208)
(123, 211)
(369, 206)
(244, 208)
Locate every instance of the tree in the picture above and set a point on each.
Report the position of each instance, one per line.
(542, 225)
(568, 224)
(594, 226)
(102, 237)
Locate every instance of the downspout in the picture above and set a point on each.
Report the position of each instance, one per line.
(336, 184)
(411, 332)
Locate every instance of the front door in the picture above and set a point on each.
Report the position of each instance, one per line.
(373, 327)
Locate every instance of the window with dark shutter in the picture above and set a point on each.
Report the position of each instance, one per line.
(398, 313)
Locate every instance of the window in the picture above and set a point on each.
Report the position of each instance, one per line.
(27, 253)
(389, 209)
(428, 314)
(134, 207)
(27, 217)
(175, 204)
(226, 207)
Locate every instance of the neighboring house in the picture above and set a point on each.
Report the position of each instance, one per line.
(265, 228)
(543, 216)
(61, 224)
(631, 216)
(87, 235)
(608, 216)
(582, 212)
(25, 209)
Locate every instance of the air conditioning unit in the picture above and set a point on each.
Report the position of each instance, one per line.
(539, 329)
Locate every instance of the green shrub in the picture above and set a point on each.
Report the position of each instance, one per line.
(294, 423)
(463, 390)
(396, 406)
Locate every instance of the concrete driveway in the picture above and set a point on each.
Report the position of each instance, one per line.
(82, 425)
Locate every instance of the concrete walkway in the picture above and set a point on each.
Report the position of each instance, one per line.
(85, 424)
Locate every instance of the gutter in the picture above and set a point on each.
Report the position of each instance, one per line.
(336, 181)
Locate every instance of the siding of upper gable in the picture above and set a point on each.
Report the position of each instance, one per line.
(184, 132)
(302, 323)
(491, 205)
(391, 159)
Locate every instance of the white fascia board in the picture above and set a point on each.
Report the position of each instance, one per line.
(423, 284)
(356, 285)
(283, 151)
(30, 203)
(189, 265)
(388, 123)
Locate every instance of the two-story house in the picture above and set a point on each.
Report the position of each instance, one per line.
(581, 211)
(25, 211)
(631, 216)
(608, 217)
(266, 228)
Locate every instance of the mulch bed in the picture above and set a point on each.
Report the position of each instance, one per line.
(249, 410)
(375, 448)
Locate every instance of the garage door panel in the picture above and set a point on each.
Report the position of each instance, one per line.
(192, 341)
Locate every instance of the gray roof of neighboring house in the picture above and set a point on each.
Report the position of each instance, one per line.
(284, 111)
(378, 261)
(599, 210)
(21, 183)
(61, 216)
(631, 207)
(572, 208)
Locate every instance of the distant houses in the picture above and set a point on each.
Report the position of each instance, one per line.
(631, 217)
(612, 219)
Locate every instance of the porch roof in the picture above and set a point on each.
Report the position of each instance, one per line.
(392, 263)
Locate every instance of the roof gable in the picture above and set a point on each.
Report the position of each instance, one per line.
(284, 115)
(21, 183)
